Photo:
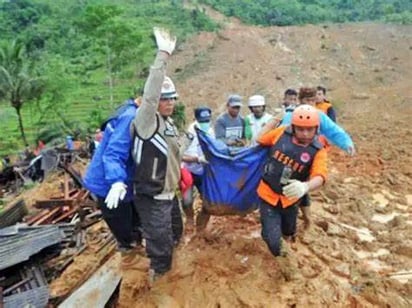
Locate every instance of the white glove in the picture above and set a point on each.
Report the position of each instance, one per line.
(295, 189)
(117, 192)
(351, 150)
(165, 42)
(202, 160)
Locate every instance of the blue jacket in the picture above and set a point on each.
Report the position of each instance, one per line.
(112, 161)
(333, 132)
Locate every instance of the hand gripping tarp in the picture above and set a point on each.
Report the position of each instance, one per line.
(231, 178)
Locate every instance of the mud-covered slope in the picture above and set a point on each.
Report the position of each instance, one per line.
(358, 252)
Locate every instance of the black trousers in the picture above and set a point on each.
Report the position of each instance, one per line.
(123, 222)
(305, 201)
(162, 227)
(177, 222)
(277, 221)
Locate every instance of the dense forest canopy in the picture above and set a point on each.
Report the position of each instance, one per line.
(79, 59)
(297, 12)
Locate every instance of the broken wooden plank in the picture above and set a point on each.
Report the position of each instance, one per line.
(32, 219)
(97, 290)
(45, 218)
(86, 195)
(66, 186)
(65, 215)
(45, 204)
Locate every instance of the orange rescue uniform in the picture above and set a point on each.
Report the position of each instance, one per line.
(318, 168)
(323, 106)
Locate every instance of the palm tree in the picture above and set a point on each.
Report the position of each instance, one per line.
(18, 82)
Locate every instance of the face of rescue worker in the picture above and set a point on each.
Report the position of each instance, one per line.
(290, 100)
(258, 111)
(320, 97)
(233, 111)
(305, 135)
(166, 106)
(308, 101)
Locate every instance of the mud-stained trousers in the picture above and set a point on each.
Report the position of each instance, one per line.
(123, 222)
(160, 231)
(188, 198)
(177, 222)
(277, 221)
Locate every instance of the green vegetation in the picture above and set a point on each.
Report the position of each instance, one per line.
(84, 56)
(18, 82)
(297, 12)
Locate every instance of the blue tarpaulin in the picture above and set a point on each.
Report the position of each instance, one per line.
(231, 178)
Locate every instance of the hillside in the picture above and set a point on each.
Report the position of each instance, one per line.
(363, 215)
(358, 253)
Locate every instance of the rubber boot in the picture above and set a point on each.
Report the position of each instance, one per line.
(135, 279)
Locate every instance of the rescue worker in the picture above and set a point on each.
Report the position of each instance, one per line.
(323, 104)
(157, 161)
(257, 119)
(193, 158)
(296, 165)
(230, 126)
(329, 131)
(112, 166)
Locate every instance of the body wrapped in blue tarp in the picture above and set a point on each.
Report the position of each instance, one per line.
(231, 178)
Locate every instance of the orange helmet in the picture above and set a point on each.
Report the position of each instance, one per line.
(305, 116)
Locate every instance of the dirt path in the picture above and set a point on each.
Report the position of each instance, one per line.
(361, 234)
(362, 231)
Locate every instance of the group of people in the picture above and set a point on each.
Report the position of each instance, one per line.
(236, 130)
(136, 169)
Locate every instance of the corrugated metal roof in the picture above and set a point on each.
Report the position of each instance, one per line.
(19, 242)
(13, 213)
(36, 297)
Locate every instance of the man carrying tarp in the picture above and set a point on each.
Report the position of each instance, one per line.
(110, 170)
(296, 165)
(230, 126)
(194, 159)
(256, 120)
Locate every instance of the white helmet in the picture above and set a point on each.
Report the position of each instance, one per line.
(168, 89)
(256, 101)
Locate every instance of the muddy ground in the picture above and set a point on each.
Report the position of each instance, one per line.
(358, 252)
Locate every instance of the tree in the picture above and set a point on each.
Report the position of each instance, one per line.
(114, 37)
(18, 82)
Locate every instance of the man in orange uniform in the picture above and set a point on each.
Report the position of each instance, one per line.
(323, 104)
(296, 165)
